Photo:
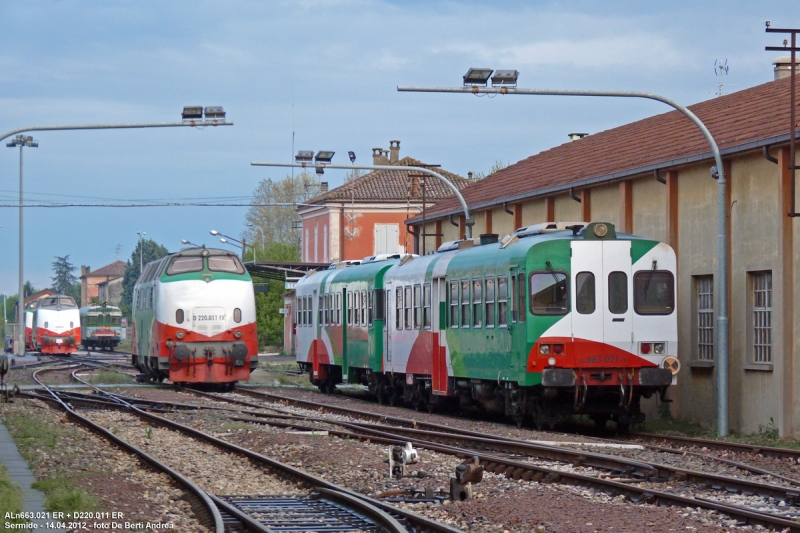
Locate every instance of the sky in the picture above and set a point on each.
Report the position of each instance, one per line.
(317, 74)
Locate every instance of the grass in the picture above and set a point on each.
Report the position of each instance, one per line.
(33, 435)
(110, 377)
(10, 499)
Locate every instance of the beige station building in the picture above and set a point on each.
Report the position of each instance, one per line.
(652, 178)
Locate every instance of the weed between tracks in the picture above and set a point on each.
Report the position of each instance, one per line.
(38, 440)
(110, 377)
(767, 435)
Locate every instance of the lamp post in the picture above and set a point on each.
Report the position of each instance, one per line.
(191, 117)
(240, 244)
(141, 235)
(262, 239)
(184, 241)
(469, 222)
(477, 77)
(21, 141)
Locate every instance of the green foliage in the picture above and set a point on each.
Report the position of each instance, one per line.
(10, 498)
(498, 165)
(63, 277)
(268, 320)
(28, 288)
(109, 377)
(148, 250)
(63, 497)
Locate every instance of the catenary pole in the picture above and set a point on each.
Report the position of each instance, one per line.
(718, 172)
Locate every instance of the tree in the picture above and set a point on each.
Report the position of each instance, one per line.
(353, 175)
(63, 277)
(268, 320)
(28, 289)
(280, 224)
(498, 165)
(149, 250)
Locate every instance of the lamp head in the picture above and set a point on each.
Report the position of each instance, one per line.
(214, 232)
(304, 156)
(352, 156)
(477, 76)
(224, 240)
(324, 156)
(184, 241)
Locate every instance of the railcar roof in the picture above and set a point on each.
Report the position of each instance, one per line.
(205, 252)
(90, 308)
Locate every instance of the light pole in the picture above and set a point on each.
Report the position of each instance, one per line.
(240, 244)
(468, 222)
(262, 239)
(192, 116)
(184, 241)
(21, 141)
(141, 235)
(717, 172)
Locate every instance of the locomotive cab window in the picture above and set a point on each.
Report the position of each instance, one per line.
(653, 292)
(180, 265)
(225, 263)
(549, 294)
(584, 293)
(618, 293)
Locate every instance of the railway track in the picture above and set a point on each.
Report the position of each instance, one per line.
(504, 456)
(337, 509)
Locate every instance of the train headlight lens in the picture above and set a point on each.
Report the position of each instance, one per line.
(645, 348)
(237, 334)
(544, 349)
(551, 361)
(558, 349)
(658, 348)
(180, 334)
(601, 230)
(179, 316)
(237, 315)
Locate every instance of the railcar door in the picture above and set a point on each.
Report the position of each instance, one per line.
(618, 312)
(438, 306)
(588, 301)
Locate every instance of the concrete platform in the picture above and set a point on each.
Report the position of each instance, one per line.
(20, 474)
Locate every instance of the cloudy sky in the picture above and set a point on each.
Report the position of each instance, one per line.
(326, 73)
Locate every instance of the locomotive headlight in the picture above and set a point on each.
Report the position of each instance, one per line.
(180, 334)
(237, 334)
(551, 361)
(658, 348)
(544, 349)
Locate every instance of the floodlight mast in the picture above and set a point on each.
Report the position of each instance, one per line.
(717, 172)
(468, 221)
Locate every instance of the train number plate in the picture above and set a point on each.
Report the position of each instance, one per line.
(206, 315)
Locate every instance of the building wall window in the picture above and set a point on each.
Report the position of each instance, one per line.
(762, 316)
(704, 300)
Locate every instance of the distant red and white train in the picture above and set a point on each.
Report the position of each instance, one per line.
(56, 325)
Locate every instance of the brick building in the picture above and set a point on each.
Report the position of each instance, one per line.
(366, 216)
(651, 178)
(105, 283)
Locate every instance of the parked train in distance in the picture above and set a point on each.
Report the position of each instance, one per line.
(194, 319)
(101, 327)
(554, 320)
(55, 325)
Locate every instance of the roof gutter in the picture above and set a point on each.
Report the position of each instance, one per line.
(615, 176)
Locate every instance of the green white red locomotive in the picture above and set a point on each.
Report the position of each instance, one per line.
(101, 327)
(194, 318)
(557, 319)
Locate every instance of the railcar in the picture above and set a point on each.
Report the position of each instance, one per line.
(101, 327)
(554, 320)
(56, 325)
(194, 319)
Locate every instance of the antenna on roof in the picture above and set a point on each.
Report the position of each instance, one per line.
(720, 69)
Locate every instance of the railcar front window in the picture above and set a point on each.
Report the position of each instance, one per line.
(181, 265)
(116, 320)
(91, 321)
(584, 293)
(654, 292)
(618, 293)
(549, 295)
(225, 263)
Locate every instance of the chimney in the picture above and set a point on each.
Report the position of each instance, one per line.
(576, 136)
(783, 67)
(384, 157)
(394, 148)
(376, 156)
(469, 175)
(414, 187)
(323, 187)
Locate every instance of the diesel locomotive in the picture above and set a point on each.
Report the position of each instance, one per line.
(554, 320)
(194, 319)
(101, 327)
(55, 325)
